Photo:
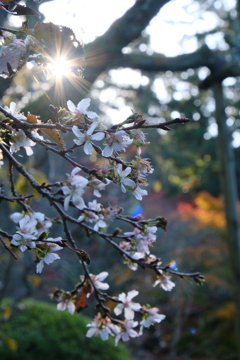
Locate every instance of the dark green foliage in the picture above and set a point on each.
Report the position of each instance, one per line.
(43, 333)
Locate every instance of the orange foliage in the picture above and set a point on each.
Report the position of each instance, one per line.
(206, 210)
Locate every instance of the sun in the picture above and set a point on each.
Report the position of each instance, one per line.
(59, 67)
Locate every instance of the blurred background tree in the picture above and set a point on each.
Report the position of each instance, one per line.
(194, 67)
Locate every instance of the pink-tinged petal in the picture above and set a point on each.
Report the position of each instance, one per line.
(92, 128)
(29, 151)
(16, 217)
(102, 276)
(91, 332)
(75, 171)
(131, 294)
(40, 266)
(118, 309)
(123, 189)
(102, 286)
(135, 306)
(96, 193)
(88, 148)
(129, 183)
(126, 172)
(104, 334)
(128, 313)
(107, 151)
(78, 133)
(101, 224)
(79, 141)
(117, 338)
(132, 333)
(71, 307)
(83, 105)
(118, 147)
(12, 107)
(61, 306)
(159, 317)
(51, 257)
(125, 337)
(138, 255)
(92, 115)
(66, 202)
(122, 297)
(22, 248)
(66, 190)
(71, 106)
(98, 136)
(78, 201)
(139, 193)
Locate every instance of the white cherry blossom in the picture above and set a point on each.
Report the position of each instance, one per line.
(23, 242)
(118, 142)
(100, 224)
(165, 282)
(123, 177)
(139, 193)
(128, 332)
(97, 185)
(89, 215)
(97, 280)
(1, 157)
(43, 224)
(103, 327)
(151, 316)
(66, 304)
(46, 253)
(75, 194)
(86, 137)
(14, 110)
(128, 305)
(75, 179)
(81, 108)
(19, 139)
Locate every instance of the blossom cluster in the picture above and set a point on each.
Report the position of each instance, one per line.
(31, 227)
(77, 201)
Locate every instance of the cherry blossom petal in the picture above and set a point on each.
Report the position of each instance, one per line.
(71, 307)
(83, 105)
(88, 148)
(50, 257)
(40, 266)
(92, 128)
(107, 151)
(71, 106)
(98, 136)
(92, 115)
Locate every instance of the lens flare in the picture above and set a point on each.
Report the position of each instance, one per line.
(59, 67)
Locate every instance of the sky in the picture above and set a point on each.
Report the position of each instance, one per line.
(93, 17)
(171, 33)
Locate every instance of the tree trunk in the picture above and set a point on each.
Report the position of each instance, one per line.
(229, 184)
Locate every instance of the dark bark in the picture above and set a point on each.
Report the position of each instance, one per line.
(229, 185)
(104, 52)
(158, 62)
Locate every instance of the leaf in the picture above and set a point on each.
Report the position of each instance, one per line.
(81, 299)
(54, 135)
(12, 59)
(60, 41)
(11, 344)
(25, 10)
(7, 312)
(84, 256)
(35, 280)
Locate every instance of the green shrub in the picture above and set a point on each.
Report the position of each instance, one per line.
(37, 331)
